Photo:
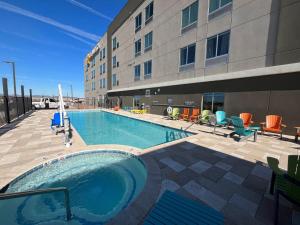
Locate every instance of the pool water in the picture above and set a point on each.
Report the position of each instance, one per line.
(101, 184)
(98, 127)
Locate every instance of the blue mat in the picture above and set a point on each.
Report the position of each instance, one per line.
(175, 209)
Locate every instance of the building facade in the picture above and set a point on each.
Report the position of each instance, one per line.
(231, 55)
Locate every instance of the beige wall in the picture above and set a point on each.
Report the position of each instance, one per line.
(97, 92)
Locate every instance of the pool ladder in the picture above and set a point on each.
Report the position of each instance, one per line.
(42, 191)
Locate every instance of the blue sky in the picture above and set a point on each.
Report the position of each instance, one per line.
(48, 40)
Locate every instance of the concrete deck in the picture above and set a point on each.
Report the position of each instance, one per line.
(227, 175)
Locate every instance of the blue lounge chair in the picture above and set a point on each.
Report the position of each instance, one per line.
(240, 130)
(176, 209)
(221, 120)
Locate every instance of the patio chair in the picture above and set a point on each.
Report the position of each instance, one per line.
(285, 183)
(185, 114)
(174, 115)
(195, 115)
(273, 124)
(240, 130)
(176, 209)
(247, 119)
(205, 117)
(220, 120)
(297, 133)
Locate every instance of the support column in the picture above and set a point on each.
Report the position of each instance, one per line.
(5, 96)
(23, 98)
(30, 94)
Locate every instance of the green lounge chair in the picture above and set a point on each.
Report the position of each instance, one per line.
(176, 209)
(174, 115)
(286, 184)
(205, 117)
(240, 130)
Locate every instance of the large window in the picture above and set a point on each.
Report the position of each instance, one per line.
(218, 45)
(100, 69)
(217, 4)
(103, 68)
(148, 41)
(137, 72)
(138, 22)
(114, 61)
(103, 53)
(103, 83)
(213, 101)
(187, 55)
(190, 15)
(93, 74)
(149, 12)
(147, 69)
(114, 80)
(137, 47)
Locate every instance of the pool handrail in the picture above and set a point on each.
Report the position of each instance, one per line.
(4, 196)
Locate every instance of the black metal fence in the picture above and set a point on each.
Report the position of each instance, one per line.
(12, 107)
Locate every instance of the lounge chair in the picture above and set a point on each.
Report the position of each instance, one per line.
(205, 117)
(174, 115)
(240, 130)
(273, 124)
(176, 209)
(286, 184)
(247, 119)
(221, 120)
(185, 114)
(297, 133)
(195, 115)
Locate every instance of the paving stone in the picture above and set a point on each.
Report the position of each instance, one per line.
(188, 145)
(173, 164)
(214, 173)
(234, 178)
(10, 158)
(200, 167)
(246, 205)
(220, 154)
(205, 182)
(169, 185)
(205, 195)
(185, 176)
(223, 166)
(255, 183)
(224, 188)
(262, 172)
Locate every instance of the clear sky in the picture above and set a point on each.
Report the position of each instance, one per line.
(48, 40)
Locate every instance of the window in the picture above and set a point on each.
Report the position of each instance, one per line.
(148, 69)
(93, 61)
(187, 55)
(190, 15)
(87, 77)
(148, 41)
(93, 74)
(114, 61)
(114, 43)
(103, 68)
(103, 83)
(138, 47)
(93, 86)
(100, 55)
(103, 53)
(137, 72)
(218, 45)
(149, 13)
(100, 69)
(100, 83)
(213, 101)
(114, 80)
(138, 22)
(217, 4)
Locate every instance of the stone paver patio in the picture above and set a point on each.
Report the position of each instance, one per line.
(227, 175)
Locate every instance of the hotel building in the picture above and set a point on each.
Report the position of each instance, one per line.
(231, 55)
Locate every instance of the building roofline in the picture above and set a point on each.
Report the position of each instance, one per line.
(258, 72)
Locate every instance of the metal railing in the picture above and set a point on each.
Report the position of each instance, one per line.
(41, 191)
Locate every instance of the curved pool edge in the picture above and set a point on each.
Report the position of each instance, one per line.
(137, 210)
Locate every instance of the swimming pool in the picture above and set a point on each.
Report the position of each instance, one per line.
(99, 127)
(101, 184)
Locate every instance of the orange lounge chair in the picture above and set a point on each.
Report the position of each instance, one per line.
(297, 133)
(247, 119)
(195, 115)
(185, 114)
(273, 124)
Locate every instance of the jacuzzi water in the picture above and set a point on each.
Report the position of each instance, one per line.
(99, 127)
(101, 184)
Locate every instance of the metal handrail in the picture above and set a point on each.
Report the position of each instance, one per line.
(41, 191)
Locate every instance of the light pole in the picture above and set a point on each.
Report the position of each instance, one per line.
(14, 75)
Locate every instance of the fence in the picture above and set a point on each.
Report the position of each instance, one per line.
(12, 107)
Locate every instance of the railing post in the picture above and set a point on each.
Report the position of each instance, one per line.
(23, 98)
(6, 100)
(67, 204)
(30, 94)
